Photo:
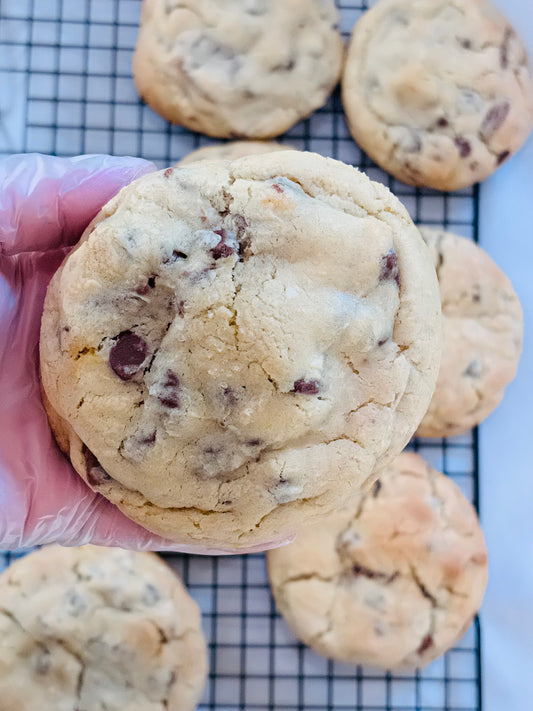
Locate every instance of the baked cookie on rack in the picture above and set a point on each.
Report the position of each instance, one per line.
(98, 628)
(232, 150)
(245, 68)
(394, 579)
(482, 335)
(235, 347)
(439, 93)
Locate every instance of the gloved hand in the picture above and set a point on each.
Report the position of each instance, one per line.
(45, 204)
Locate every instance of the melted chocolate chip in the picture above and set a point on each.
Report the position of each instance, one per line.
(376, 488)
(171, 400)
(443, 122)
(503, 156)
(494, 118)
(181, 309)
(382, 341)
(127, 355)
(254, 442)
(241, 224)
(389, 267)
(222, 249)
(277, 188)
(463, 145)
(228, 502)
(168, 172)
(425, 644)
(504, 48)
(149, 439)
(476, 298)
(306, 387)
(465, 43)
(93, 470)
(170, 395)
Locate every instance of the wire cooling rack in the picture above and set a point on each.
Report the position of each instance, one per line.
(66, 88)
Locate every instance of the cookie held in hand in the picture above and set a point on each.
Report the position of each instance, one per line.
(233, 348)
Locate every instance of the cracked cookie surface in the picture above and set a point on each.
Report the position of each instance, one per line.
(482, 335)
(439, 93)
(392, 581)
(241, 68)
(232, 150)
(87, 629)
(234, 347)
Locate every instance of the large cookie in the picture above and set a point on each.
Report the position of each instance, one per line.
(438, 92)
(248, 68)
(393, 580)
(98, 628)
(232, 150)
(482, 335)
(234, 347)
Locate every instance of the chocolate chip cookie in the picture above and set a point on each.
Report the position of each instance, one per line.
(438, 92)
(234, 347)
(393, 580)
(232, 150)
(98, 628)
(241, 68)
(482, 335)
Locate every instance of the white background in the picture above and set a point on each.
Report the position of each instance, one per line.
(506, 468)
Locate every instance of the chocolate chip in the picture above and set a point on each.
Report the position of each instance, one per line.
(254, 442)
(228, 502)
(376, 488)
(168, 172)
(494, 118)
(277, 188)
(473, 370)
(382, 341)
(425, 644)
(151, 595)
(151, 281)
(43, 662)
(93, 469)
(504, 48)
(127, 355)
(181, 309)
(241, 224)
(149, 439)
(465, 43)
(389, 267)
(170, 396)
(171, 400)
(443, 122)
(142, 290)
(476, 298)
(503, 156)
(222, 249)
(463, 145)
(306, 387)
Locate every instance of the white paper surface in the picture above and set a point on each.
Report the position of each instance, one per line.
(506, 462)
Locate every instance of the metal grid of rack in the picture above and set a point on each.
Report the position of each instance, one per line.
(66, 88)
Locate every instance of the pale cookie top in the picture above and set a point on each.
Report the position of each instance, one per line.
(392, 581)
(98, 628)
(248, 68)
(240, 344)
(438, 92)
(482, 335)
(232, 150)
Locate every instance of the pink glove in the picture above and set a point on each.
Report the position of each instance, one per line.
(45, 204)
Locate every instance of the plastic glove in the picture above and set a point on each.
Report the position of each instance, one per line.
(45, 204)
